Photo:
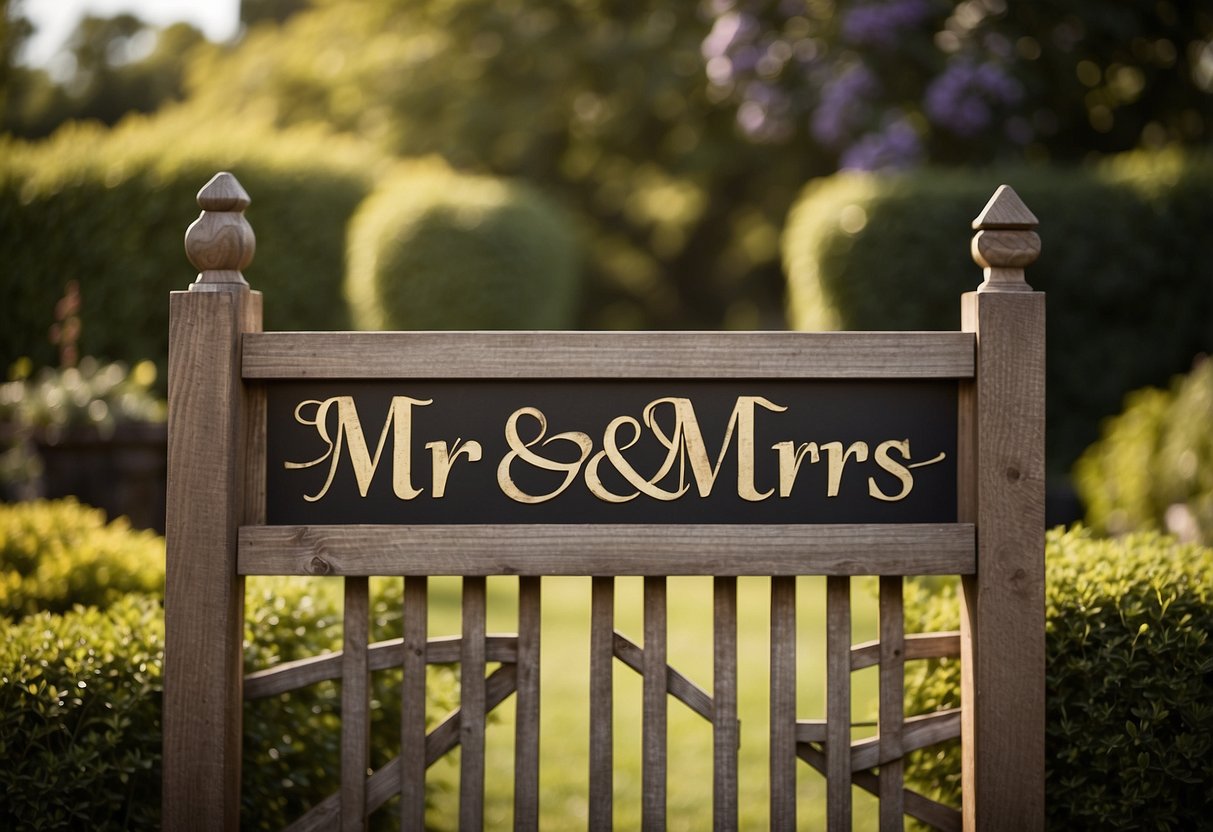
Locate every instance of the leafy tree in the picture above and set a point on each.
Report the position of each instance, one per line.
(121, 64)
(277, 11)
(15, 29)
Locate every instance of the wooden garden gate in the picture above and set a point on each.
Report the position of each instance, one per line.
(224, 374)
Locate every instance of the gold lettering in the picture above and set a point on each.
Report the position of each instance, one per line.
(838, 460)
(893, 467)
(613, 451)
(689, 438)
(790, 457)
(444, 460)
(521, 450)
(350, 434)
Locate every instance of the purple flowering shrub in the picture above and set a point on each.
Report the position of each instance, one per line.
(891, 84)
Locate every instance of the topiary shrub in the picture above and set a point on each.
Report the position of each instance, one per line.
(1129, 684)
(1152, 467)
(55, 554)
(436, 249)
(108, 209)
(1121, 263)
(80, 695)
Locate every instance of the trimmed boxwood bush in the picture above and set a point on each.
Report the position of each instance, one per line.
(109, 209)
(1153, 465)
(1128, 678)
(80, 691)
(1123, 263)
(54, 555)
(80, 698)
(436, 249)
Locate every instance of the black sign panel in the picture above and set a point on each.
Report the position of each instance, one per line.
(662, 451)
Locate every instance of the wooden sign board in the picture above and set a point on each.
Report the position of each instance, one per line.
(635, 451)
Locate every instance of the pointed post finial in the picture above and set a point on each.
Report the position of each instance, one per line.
(1005, 242)
(220, 243)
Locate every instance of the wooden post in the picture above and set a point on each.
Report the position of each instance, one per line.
(212, 422)
(1002, 458)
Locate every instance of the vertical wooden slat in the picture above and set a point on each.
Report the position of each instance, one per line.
(471, 707)
(412, 704)
(783, 703)
(209, 430)
(653, 802)
(602, 653)
(725, 729)
(355, 705)
(838, 703)
(526, 727)
(1002, 609)
(892, 703)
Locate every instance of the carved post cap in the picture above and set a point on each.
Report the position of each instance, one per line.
(220, 243)
(1005, 242)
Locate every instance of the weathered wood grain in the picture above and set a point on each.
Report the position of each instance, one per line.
(1002, 611)
(414, 651)
(653, 731)
(922, 808)
(724, 550)
(355, 704)
(602, 651)
(676, 685)
(892, 703)
(472, 707)
(588, 355)
(726, 730)
(526, 725)
(838, 703)
(288, 676)
(783, 703)
(918, 732)
(917, 646)
(204, 594)
(385, 782)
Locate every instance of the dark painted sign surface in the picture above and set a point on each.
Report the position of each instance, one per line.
(411, 452)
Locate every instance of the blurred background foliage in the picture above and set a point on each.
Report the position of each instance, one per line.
(677, 138)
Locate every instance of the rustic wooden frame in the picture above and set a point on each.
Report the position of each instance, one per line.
(219, 361)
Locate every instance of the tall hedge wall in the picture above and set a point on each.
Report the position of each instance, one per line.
(1130, 292)
(110, 208)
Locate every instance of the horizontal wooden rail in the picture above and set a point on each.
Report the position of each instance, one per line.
(610, 549)
(916, 806)
(382, 655)
(536, 355)
(917, 646)
(918, 732)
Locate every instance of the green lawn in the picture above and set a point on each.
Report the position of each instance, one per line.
(564, 737)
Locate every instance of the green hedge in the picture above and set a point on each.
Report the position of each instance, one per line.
(436, 249)
(80, 691)
(110, 208)
(1123, 263)
(1128, 678)
(80, 733)
(1153, 465)
(54, 555)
